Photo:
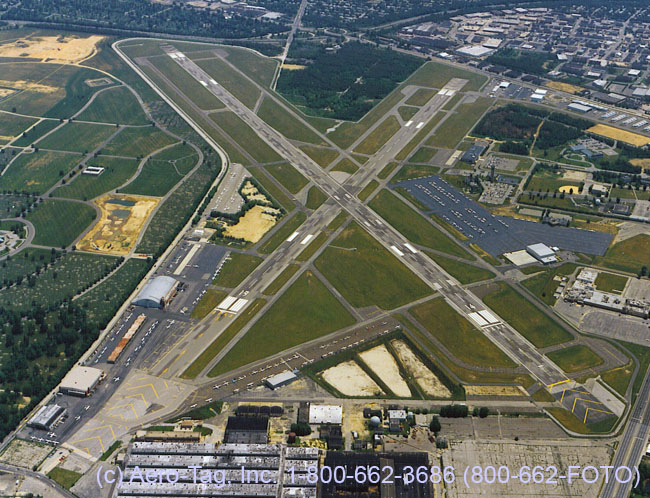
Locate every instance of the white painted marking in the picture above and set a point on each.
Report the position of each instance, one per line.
(378, 221)
(420, 125)
(292, 236)
(172, 55)
(411, 248)
(367, 224)
(186, 259)
(227, 302)
(437, 286)
(306, 239)
(212, 81)
(204, 83)
(236, 307)
(337, 197)
(409, 123)
(397, 251)
(488, 316)
(477, 319)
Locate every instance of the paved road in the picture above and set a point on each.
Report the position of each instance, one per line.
(518, 348)
(55, 490)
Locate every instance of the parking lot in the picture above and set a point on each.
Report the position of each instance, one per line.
(498, 234)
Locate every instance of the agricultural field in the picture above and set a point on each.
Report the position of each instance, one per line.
(77, 137)
(37, 172)
(59, 223)
(138, 142)
(366, 274)
(117, 171)
(115, 105)
(619, 134)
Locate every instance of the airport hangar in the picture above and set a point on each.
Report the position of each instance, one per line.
(157, 292)
(498, 234)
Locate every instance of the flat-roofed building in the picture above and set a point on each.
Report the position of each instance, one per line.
(46, 417)
(542, 253)
(281, 379)
(80, 381)
(325, 414)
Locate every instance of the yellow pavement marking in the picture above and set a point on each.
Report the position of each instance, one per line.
(124, 406)
(135, 396)
(174, 361)
(101, 427)
(199, 335)
(89, 439)
(594, 410)
(166, 385)
(145, 385)
(586, 401)
(558, 383)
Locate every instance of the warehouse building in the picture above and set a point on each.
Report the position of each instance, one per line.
(46, 417)
(281, 379)
(325, 414)
(80, 381)
(542, 253)
(247, 430)
(157, 293)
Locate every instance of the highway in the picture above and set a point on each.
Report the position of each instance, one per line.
(508, 339)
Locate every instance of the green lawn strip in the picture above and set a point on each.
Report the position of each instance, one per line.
(462, 271)
(337, 221)
(452, 102)
(619, 378)
(259, 68)
(407, 112)
(84, 187)
(409, 171)
(462, 339)
(315, 197)
(271, 112)
(208, 302)
(320, 155)
(423, 155)
(306, 311)
(66, 478)
(315, 244)
(29, 137)
(235, 269)
(368, 189)
(197, 366)
(436, 75)
(572, 423)
(204, 412)
(420, 97)
(488, 258)
(281, 279)
(379, 136)
(642, 354)
(575, 358)
(420, 136)
(388, 169)
(158, 175)
(115, 105)
(346, 166)
(37, 172)
(629, 255)
(321, 124)
(58, 223)
(532, 323)
(13, 125)
(273, 190)
(543, 284)
(77, 137)
(243, 134)
(365, 273)
(459, 123)
(288, 176)
(110, 450)
(282, 233)
(543, 396)
(609, 282)
(234, 82)
(138, 142)
(413, 226)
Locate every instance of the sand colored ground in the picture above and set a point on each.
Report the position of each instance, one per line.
(564, 87)
(349, 378)
(577, 176)
(6, 91)
(618, 134)
(250, 193)
(494, 391)
(254, 224)
(28, 85)
(52, 48)
(642, 163)
(293, 67)
(119, 226)
(384, 365)
(425, 378)
(567, 189)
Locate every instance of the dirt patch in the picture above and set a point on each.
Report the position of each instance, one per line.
(61, 48)
(564, 87)
(618, 134)
(425, 378)
(384, 365)
(27, 85)
(349, 378)
(123, 216)
(25, 454)
(569, 189)
(250, 193)
(254, 224)
(4, 92)
(495, 391)
(293, 67)
(642, 163)
(577, 176)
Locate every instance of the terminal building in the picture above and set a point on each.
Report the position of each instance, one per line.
(81, 381)
(157, 293)
(46, 417)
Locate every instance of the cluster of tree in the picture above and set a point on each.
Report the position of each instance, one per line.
(454, 411)
(567, 119)
(513, 121)
(522, 60)
(511, 147)
(554, 134)
(346, 84)
(621, 164)
(301, 429)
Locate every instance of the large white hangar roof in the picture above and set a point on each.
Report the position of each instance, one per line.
(154, 292)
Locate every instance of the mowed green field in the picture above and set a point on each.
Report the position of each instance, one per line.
(437, 74)
(409, 171)
(461, 271)
(456, 126)
(407, 112)
(321, 155)
(235, 269)
(36, 132)
(366, 274)
(257, 67)
(12, 125)
(241, 133)
(115, 105)
(413, 226)
(271, 112)
(138, 142)
(306, 311)
(575, 358)
(529, 321)
(288, 176)
(77, 137)
(282, 233)
(459, 336)
(38, 171)
(85, 187)
(346, 166)
(628, 255)
(379, 136)
(59, 223)
(421, 96)
(232, 80)
(315, 197)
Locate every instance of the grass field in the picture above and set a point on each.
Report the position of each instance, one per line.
(59, 223)
(12, 125)
(534, 325)
(320, 155)
(420, 136)
(37, 172)
(379, 136)
(456, 126)
(138, 142)
(366, 274)
(458, 335)
(619, 378)
(423, 155)
(208, 302)
(346, 166)
(315, 197)
(282, 233)
(368, 189)
(409, 171)
(388, 169)
(115, 105)
(544, 180)
(461, 271)
(84, 187)
(407, 112)
(222, 340)
(77, 137)
(259, 68)
(628, 255)
(437, 74)
(289, 126)
(413, 226)
(241, 133)
(307, 310)
(281, 279)
(575, 358)
(619, 134)
(543, 285)
(420, 97)
(234, 82)
(36, 132)
(236, 268)
(288, 176)
(609, 282)
(66, 478)
(314, 245)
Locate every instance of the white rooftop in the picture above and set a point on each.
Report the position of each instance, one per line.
(325, 414)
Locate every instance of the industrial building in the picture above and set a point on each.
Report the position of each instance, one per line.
(80, 381)
(247, 430)
(325, 414)
(157, 293)
(472, 154)
(542, 253)
(46, 417)
(581, 108)
(281, 379)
